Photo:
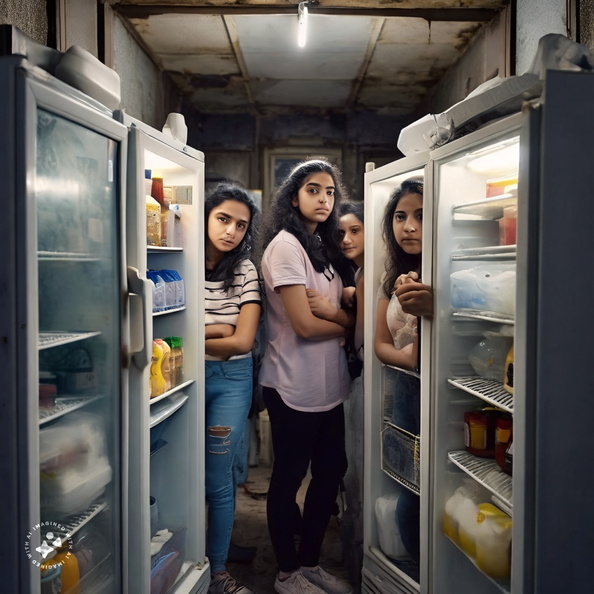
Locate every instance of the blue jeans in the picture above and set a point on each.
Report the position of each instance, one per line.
(303, 440)
(228, 400)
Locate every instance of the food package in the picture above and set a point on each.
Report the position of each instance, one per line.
(489, 287)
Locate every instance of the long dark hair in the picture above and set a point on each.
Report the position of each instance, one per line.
(226, 267)
(398, 261)
(283, 215)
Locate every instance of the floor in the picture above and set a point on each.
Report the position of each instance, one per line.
(250, 529)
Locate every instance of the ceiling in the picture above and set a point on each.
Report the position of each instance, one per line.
(230, 56)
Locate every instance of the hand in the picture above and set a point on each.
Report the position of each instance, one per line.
(415, 298)
(348, 297)
(320, 306)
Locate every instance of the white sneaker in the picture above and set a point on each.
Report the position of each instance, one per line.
(223, 583)
(296, 583)
(326, 582)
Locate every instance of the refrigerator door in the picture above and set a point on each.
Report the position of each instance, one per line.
(63, 302)
(387, 566)
(474, 278)
(166, 422)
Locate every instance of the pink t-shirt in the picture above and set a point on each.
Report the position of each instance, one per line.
(310, 375)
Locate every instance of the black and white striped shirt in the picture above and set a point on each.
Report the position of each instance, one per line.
(222, 307)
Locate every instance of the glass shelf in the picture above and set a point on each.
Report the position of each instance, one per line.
(155, 249)
(490, 252)
(488, 208)
(58, 338)
(66, 257)
(486, 472)
(487, 316)
(63, 406)
(488, 390)
(168, 311)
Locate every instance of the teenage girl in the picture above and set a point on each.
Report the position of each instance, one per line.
(233, 308)
(396, 337)
(304, 373)
(351, 240)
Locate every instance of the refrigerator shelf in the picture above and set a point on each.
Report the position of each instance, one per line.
(66, 257)
(488, 390)
(410, 486)
(504, 586)
(155, 249)
(65, 405)
(488, 316)
(168, 311)
(488, 208)
(73, 524)
(486, 472)
(166, 408)
(490, 252)
(47, 340)
(160, 397)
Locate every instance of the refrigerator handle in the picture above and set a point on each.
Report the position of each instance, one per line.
(143, 288)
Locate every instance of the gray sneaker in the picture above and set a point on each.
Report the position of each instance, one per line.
(223, 583)
(326, 582)
(296, 584)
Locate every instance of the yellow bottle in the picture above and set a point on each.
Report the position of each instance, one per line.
(157, 381)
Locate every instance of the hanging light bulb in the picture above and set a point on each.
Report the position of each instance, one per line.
(302, 24)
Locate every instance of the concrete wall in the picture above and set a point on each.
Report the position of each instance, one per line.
(28, 15)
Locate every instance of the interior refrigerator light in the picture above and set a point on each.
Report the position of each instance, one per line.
(500, 159)
(302, 24)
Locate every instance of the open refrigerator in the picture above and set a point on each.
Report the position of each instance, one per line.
(166, 425)
(63, 425)
(495, 290)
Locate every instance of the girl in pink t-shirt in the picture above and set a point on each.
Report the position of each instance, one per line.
(304, 374)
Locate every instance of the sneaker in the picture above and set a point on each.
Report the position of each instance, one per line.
(223, 583)
(326, 582)
(296, 584)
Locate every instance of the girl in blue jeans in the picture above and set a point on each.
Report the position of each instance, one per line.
(232, 312)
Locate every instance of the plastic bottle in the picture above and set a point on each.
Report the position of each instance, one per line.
(493, 541)
(165, 363)
(153, 221)
(157, 381)
(177, 358)
(70, 572)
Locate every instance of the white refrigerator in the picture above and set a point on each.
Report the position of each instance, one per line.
(533, 292)
(166, 457)
(64, 327)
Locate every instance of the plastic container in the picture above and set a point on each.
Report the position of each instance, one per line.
(70, 572)
(157, 381)
(453, 513)
(493, 541)
(503, 435)
(488, 356)
(487, 288)
(387, 528)
(508, 226)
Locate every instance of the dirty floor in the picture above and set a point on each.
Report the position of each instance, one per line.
(250, 529)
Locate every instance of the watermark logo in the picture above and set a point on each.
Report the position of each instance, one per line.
(53, 537)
